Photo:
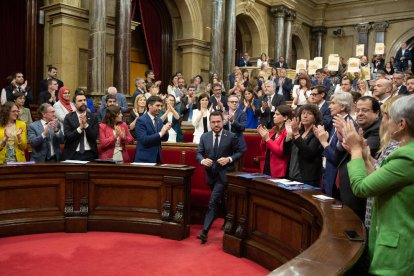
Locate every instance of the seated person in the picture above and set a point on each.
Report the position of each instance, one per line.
(114, 135)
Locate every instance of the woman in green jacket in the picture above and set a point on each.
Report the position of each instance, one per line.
(391, 238)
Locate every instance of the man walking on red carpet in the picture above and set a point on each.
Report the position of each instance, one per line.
(217, 151)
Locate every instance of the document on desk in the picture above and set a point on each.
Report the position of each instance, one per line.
(75, 162)
(143, 164)
(21, 163)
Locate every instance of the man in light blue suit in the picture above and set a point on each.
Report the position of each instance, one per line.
(150, 132)
(217, 151)
(45, 136)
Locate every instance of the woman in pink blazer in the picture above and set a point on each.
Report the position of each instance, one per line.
(113, 136)
(275, 160)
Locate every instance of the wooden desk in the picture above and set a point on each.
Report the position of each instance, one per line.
(289, 230)
(59, 197)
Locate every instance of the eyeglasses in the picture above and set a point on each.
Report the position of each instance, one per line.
(233, 101)
(313, 94)
(362, 110)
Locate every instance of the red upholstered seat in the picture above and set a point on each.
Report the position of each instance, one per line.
(171, 156)
(250, 163)
(187, 137)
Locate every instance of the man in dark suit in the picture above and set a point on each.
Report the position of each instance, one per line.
(283, 85)
(81, 131)
(50, 95)
(188, 104)
(51, 75)
(140, 85)
(398, 81)
(402, 57)
(217, 151)
(150, 132)
(244, 60)
(317, 97)
(217, 100)
(18, 83)
(281, 63)
(236, 119)
(45, 136)
(268, 104)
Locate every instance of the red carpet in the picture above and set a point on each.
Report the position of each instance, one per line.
(104, 253)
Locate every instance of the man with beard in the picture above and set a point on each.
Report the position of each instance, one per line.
(217, 151)
(81, 132)
(19, 84)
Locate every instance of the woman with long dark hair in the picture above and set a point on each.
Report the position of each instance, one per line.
(114, 135)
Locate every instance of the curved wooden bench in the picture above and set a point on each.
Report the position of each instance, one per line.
(59, 197)
(289, 231)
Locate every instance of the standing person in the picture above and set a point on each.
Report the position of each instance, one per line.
(305, 164)
(402, 57)
(150, 132)
(248, 105)
(275, 162)
(24, 113)
(13, 139)
(189, 104)
(171, 115)
(218, 101)
(363, 88)
(245, 60)
(51, 75)
(317, 97)
(140, 108)
(64, 105)
(114, 135)
(81, 132)
(49, 95)
(392, 229)
(140, 88)
(281, 63)
(235, 120)
(217, 151)
(300, 94)
(18, 83)
(45, 136)
(283, 85)
(263, 60)
(268, 105)
(200, 118)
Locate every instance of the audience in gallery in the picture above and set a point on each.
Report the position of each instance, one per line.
(392, 225)
(263, 60)
(64, 105)
(114, 135)
(305, 162)
(13, 137)
(171, 114)
(244, 61)
(200, 118)
(275, 159)
(139, 109)
(24, 113)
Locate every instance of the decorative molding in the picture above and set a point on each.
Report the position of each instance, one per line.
(69, 207)
(241, 228)
(166, 211)
(179, 213)
(380, 26)
(229, 224)
(363, 28)
(278, 11)
(84, 208)
(319, 29)
(248, 5)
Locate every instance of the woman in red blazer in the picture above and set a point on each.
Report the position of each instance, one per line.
(275, 160)
(113, 136)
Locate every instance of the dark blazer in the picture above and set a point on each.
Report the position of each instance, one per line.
(279, 65)
(239, 125)
(28, 94)
(72, 136)
(40, 145)
(286, 88)
(403, 90)
(213, 102)
(43, 84)
(266, 118)
(148, 148)
(136, 93)
(44, 97)
(357, 204)
(326, 83)
(326, 117)
(229, 147)
(402, 65)
(309, 158)
(243, 63)
(184, 111)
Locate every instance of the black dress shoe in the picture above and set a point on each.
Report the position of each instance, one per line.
(203, 237)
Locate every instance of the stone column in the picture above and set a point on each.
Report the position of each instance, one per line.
(230, 41)
(290, 16)
(216, 41)
(122, 45)
(318, 33)
(97, 47)
(379, 28)
(279, 13)
(363, 30)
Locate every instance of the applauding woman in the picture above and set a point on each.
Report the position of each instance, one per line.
(275, 161)
(248, 104)
(140, 108)
(200, 118)
(306, 151)
(172, 115)
(13, 139)
(64, 105)
(114, 135)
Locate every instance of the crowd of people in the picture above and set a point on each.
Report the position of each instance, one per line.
(349, 133)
